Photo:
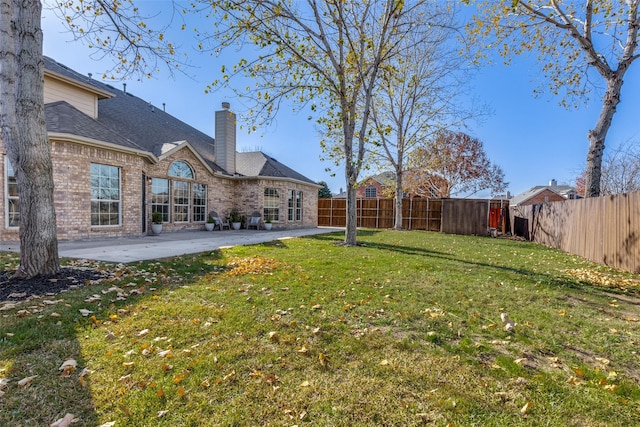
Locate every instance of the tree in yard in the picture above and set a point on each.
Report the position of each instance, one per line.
(22, 123)
(452, 163)
(326, 55)
(324, 192)
(419, 94)
(573, 39)
(620, 171)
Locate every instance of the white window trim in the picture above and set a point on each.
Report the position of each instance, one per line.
(174, 205)
(119, 224)
(193, 204)
(169, 195)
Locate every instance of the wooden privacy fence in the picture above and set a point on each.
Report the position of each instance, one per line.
(456, 216)
(604, 229)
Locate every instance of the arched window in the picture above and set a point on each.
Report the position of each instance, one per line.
(181, 169)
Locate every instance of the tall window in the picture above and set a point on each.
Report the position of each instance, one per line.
(295, 205)
(298, 205)
(160, 197)
(370, 191)
(13, 211)
(292, 205)
(199, 202)
(180, 201)
(271, 204)
(105, 195)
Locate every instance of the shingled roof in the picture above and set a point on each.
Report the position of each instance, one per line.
(126, 120)
(256, 163)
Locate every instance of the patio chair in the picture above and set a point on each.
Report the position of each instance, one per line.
(254, 220)
(219, 222)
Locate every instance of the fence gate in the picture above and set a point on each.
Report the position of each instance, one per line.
(465, 216)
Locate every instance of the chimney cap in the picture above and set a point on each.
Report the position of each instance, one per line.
(226, 105)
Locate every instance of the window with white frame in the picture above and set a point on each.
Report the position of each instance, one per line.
(160, 197)
(295, 206)
(298, 205)
(13, 211)
(271, 204)
(105, 195)
(291, 205)
(370, 192)
(180, 201)
(199, 202)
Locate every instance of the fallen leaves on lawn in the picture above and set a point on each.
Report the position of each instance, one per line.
(25, 382)
(603, 279)
(68, 367)
(251, 265)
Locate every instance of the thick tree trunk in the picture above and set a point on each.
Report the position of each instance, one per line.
(351, 232)
(24, 134)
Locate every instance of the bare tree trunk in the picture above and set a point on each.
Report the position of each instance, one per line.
(24, 134)
(397, 223)
(598, 135)
(351, 232)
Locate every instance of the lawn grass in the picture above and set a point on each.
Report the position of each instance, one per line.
(403, 330)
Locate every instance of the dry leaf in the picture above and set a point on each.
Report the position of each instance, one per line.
(143, 333)
(305, 384)
(324, 359)
(85, 312)
(64, 422)
(181, 391)
(525, 408)
(109, 424)
(273, 336)
(26, 381)
(162, 413)
(69, 364)
(385, 362)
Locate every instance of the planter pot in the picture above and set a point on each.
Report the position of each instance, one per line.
(156, 228)
(209, 226)
(236, 225)
(267, 226)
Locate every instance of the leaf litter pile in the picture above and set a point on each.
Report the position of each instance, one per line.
(72, 277)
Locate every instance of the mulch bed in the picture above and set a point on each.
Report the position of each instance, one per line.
(12, 289)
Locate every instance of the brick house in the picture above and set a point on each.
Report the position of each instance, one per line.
(117, 158)
(381, 186)
(545, 194)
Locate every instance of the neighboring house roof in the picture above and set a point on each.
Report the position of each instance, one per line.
(126, 120)
(256, 163)
(386, 179)
(561, 190)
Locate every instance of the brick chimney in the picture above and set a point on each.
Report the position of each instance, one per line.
(225, 139)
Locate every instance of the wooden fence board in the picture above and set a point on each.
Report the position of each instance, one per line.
(417, 214)
(605, 229)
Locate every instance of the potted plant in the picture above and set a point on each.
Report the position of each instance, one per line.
(209, 224)
(156, 222)
(235, 218)
(268, 224)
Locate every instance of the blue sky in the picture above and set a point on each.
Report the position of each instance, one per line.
(534, 140)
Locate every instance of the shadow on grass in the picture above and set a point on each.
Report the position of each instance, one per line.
(548, 279)
(36, 337)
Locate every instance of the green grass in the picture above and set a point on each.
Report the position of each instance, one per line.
(403, 330)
